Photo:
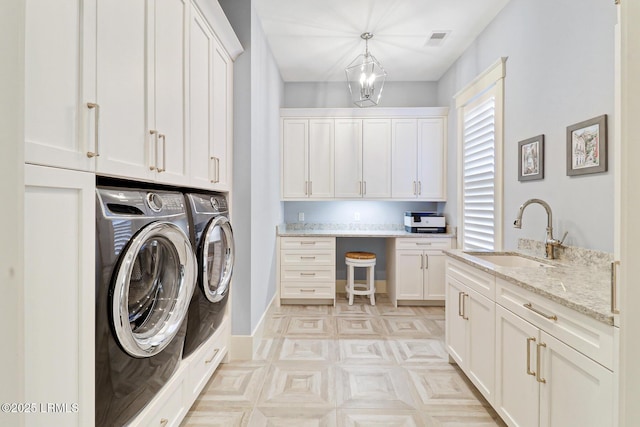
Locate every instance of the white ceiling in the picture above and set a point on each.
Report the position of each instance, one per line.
(314, 40)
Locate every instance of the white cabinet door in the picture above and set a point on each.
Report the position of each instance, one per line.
(59, 82)
(125, 144)
(320, 161)
(517, 391)
(577, 391)
(404, 146)
(409, 275)
(295, 143)
(168, 57)
(376, 158)
(434, 274)
(431, 159)
(480, 313)
(348, 158)
(455, 322)
(203, 163)
(222, 118)
(59, 292)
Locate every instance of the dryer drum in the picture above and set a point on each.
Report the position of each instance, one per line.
(152, 289)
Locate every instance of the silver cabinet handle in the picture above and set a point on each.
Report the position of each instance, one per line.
(212, 164)
(421, 262)
(217, 169)
(535, 310)
(538, 377)
(464, 307)
(415, 191)
(310, 188)
(215, 353)
(529, 371)
(614, 287)
(419, 188)
(426, 261)
(360, 188)
(155, 144)
(365, 188)
(460, 296)
(163, 137)
(94, 106)
(306, 188)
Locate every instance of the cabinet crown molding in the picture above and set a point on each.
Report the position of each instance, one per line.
(213, 13)
(391, 112)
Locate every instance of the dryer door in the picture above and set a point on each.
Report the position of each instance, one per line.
(217, 254)
(153, 285)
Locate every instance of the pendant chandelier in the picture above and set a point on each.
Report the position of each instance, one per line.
(365, 77)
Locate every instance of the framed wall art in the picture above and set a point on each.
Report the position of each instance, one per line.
(587, 146)
(531, 159)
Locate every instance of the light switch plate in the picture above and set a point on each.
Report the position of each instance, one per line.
(356, 216)
(300, 216)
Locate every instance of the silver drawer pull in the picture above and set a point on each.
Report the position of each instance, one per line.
(307, 290)
(535, 310)
(307, 257)
(307, 274)
(424, 244)
(307, 243)
(215, 353)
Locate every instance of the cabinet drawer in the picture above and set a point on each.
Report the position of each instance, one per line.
(311, 243)
(309, 258)
(207, 358)
(592, 338)
(168, 407)
(423, 243)
(308, 274)
(308, 290)
(479, 281)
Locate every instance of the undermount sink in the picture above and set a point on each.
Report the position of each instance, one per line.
(509, 260)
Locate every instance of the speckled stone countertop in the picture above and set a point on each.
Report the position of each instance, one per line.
(583, 287)
(353, 230)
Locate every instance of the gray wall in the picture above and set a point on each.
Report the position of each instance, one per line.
(258, 91)
(336, 94)
(560, 71)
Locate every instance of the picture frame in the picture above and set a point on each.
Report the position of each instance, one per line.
(531, 159)
(587, 146)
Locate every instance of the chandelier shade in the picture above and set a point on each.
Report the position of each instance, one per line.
(365, 77)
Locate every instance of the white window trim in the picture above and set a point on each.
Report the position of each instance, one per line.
(491, 80)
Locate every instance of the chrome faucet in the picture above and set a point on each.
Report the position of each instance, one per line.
(549, 242)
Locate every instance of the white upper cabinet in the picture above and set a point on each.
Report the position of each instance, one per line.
(125, 146)
(419, 162)
(307, 158)
(348, 158)
(363, 158)
(386, 153)
(59, 83)
(222, 117)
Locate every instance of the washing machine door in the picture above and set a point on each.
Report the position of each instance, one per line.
(153, 285)
(217, 254)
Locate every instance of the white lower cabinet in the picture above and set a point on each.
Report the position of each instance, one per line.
(470, 335)
(553, 366)
(307, 268)
(544, 382)
(59, 293)
(416, 269)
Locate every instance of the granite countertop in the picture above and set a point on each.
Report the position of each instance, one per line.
(581, 287)
(353, 230)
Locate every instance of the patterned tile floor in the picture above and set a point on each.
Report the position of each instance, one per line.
(358, 365)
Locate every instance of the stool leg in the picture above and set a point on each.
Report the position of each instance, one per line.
(372, 284)
(351, 284)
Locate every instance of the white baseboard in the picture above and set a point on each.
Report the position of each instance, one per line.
(243, 347)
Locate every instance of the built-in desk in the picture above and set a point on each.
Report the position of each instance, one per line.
(307, 263)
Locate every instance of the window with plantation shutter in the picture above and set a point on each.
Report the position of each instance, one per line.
(480, 112)
(478, 175)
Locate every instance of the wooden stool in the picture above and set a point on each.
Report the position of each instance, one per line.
(360, 259)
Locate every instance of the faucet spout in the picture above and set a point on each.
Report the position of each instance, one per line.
(550, 242)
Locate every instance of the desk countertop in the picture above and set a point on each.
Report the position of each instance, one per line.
(353, 230)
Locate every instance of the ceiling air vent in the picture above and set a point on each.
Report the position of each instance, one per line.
(437, 38)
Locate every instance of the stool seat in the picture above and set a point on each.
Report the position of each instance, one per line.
(360, 255)
(368, 261)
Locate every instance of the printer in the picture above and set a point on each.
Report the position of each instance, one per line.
(424, 222)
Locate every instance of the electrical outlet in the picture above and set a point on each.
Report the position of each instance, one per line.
(300, 216)
(356, 216)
